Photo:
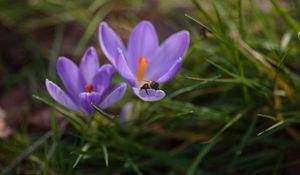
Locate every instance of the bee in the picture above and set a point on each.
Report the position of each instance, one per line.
(150, 85)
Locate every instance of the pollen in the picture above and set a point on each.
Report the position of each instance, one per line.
(141, 69)
(89, 88)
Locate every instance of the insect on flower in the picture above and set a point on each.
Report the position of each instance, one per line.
(144, 58)
(85, 85)
(150, 85)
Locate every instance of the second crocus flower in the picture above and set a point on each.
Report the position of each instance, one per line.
(85, 85)
(144, 61)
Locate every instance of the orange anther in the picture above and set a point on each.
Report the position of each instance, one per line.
(141, 69)
(89, 88)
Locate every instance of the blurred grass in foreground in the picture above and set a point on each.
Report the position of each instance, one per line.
(233, 109)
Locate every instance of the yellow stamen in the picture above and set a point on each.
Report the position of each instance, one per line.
(141, 70)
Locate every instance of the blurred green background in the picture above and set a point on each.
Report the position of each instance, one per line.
(233, 109)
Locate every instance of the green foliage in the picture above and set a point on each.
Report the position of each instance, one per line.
(233, 109)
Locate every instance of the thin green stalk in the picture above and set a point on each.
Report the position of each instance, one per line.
(288, 19)
(92, 27)
(192, 169)
(242, 19)
(206, 15)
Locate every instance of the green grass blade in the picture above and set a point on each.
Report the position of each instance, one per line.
(80, 156)
(103, 113)
(289, 20)
(133, 165)
(198, 22)
(104, 149)
(230, 123)
(190, 88)
(272, 127)
(192, 169)
(75, 120)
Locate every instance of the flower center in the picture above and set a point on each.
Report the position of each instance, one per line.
(141, 70)
(89, 88)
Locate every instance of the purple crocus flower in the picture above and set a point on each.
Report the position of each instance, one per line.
(85, 85)
(144, 60)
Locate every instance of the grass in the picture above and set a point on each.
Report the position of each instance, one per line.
(233, 109)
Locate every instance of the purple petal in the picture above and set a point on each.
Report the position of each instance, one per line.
(114, 96)
(60, 96)
(124, 112)
(87, 99)
(102, 79)
(109, 42)
(150, 94)
(142, 42)
(69, 75)
(171, 72)
(172, 49)
(122, 67)
(89, 65)
(127, 112)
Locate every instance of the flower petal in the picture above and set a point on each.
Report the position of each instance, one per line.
(125, 112)
(150, 94)
(60, 96)
(89, 65)
(109, 42)
(172, 49)
(102, 79)
(69, 75)
(122, 67)
(129, 112)
(87, 99)
(142, 42)
(114, 96)
(171, 72)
